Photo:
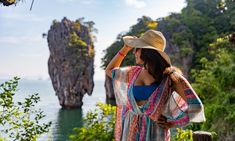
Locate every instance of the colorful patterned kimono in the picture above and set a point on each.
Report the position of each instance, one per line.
(139, 123)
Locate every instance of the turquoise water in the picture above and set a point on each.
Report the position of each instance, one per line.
(63, 120)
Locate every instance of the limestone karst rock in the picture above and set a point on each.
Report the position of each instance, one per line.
(71, 61)
(109, 88)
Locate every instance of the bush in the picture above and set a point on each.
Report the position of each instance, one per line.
(183, 135)
(215, 82)
(19, 120)
(98, 125)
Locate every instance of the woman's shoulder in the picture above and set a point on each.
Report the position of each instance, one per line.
(125, 73)
(127, 70)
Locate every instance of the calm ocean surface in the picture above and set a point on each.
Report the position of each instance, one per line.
(63, 120)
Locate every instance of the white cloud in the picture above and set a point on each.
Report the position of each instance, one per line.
(26, 40)
(135, 3)
(31, 55)
(87, 2)
(65, 1)
(28, 17)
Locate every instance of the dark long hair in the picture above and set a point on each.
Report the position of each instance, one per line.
(154, 63)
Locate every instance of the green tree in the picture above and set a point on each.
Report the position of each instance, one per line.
(215, 82)
(20, 120)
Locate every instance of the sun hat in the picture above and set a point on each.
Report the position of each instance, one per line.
(151, 39)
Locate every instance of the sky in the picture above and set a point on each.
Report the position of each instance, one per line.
(23, 51)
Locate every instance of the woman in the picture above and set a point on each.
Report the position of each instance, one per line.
(151, 97)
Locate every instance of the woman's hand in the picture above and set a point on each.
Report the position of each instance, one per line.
(179, 82)
(174, 73)
(162, 122)
(127, 48)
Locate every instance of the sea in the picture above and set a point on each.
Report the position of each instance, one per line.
(63, 120)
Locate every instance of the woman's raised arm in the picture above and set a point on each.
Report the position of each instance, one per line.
(117, 59)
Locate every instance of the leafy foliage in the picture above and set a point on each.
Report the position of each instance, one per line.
(8, 2)
(215, 82)
(183, 135)
(98, 125)
(82, 43)
(75, 41)
(13, 2)
(19, 120)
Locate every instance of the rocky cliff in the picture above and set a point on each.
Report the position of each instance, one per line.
(179, 45)
(71, 61)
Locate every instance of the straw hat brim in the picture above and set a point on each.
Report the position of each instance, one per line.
(140, 43)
